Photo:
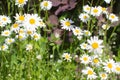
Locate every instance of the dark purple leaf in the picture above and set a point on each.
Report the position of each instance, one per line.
(101, 20)
(109, 9)
(72, 4)
(64, 1)
(53, 19)
(71, 40)
(61, 9)
(57, 30)
(55, 3)
(59, 42)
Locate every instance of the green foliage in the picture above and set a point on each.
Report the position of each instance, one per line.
(44, 58)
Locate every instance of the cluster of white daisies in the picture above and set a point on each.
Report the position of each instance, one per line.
(25, 25)
(44, 5)
(92, 45)
(96, 66)
(88, 14)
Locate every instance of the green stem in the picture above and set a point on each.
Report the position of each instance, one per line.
(63, 39)
(8, 7)
(28, 6)
(112, 33)
(29, 65)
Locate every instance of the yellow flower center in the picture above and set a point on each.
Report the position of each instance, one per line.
(35, 36)
(9, 40)
(3, 47)
(21, 18)
(90, 72)
(85, 58)
(103, 9)
(41, 23)
(4, 19)
(29, 32)
(103, 75)
(85, 45)
(95, 10)
(85, 17)
(15, 25)
(32, 21)
(67, 56)
(21, 1)
(67, 23)
(95, 60)
(77, 31)
(6, 33)
(86, 32)
(118, 69)
(45, 4)
(95, 45)
(20, 36)
(112, 16)
(88, 8)
(21, 31)
(109, 65)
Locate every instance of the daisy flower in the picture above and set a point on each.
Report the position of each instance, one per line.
(1, 24)
(5, 20)
(21, 36)
(46, 5)
(84, 46)
(66, 24)
(79, 37)
(107, 1)
(95, 45)
(9, 40)
(86, 33)
(109, 65)
(66, 56)
(96, 11)
(6, 33)
(95, 60)
(77, 31)
(91, 75)
(29, 47)
(104, 10)
(21, 31)
(84, 17)
(42, 24)
(85, 59)
(87, 9)
(4, 47)
(103, 75)
(15, 27)
(36, 36)
(29, 32)
(117, 68)
(105, 26)
(20, 3)
(19, 18)
(31, 21)
(112, 17)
